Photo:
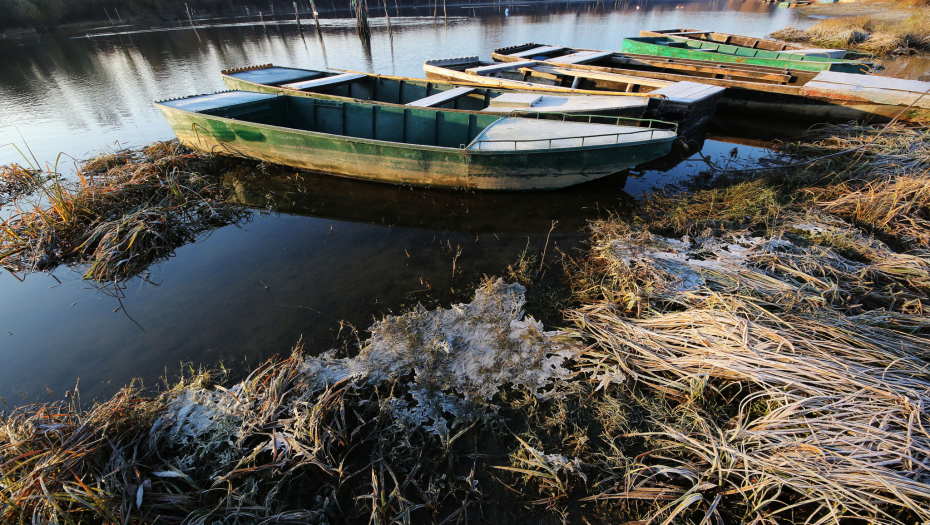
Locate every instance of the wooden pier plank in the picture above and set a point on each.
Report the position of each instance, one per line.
(581, 57)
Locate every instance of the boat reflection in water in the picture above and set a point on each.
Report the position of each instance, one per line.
(349, 200)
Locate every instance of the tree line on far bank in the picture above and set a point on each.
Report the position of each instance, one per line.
(46, 15)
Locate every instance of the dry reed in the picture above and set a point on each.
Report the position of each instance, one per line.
(122, 212)
(864, 33)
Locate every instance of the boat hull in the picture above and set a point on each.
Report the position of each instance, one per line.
(408, 164)
(644, 47)
(772, 100)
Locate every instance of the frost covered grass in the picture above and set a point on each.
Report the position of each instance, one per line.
(120, 213)
(753, 350)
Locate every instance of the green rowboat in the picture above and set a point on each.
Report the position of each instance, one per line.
(675, 47)
(403, 91)
(412, 145)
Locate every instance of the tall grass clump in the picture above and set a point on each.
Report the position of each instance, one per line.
(121, 212)
(865, 33)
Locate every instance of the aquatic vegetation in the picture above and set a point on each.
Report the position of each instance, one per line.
(18, 181)
(753, 350)
(122, 212)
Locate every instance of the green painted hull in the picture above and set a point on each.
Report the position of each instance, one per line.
(405, 163)
(714, 52)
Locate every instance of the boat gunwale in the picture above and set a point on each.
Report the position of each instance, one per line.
(405, 145)
(539, 88)
(811, 61)
(324, 96)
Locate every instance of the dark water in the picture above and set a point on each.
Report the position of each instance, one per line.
(342, 250)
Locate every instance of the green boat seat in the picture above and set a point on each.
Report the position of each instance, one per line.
(275, 76)
(334, 80)
(442, 98)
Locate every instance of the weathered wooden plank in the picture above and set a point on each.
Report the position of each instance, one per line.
(334, 80)
(542, 50)
(581, 57)
(441, 98)
(873, 81)
(689, 92)
(832, 53)
(883, 96)
(613, 77)
(496, 68)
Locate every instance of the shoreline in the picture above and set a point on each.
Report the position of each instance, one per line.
(730, 335)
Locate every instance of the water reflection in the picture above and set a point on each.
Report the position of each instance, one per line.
(329, 250)
(77, 95)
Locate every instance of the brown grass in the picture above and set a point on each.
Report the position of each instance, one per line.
(868, 33)
(752, 352)
(122, 211)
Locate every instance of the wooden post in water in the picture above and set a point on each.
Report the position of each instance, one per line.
(189, 17)
(316, 20)
(387, 17)
(361, 19)
(297, 14)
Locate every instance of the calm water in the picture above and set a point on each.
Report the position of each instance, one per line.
(343, 251)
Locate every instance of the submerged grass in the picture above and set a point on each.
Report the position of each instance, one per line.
(121, 212)
(752, 350)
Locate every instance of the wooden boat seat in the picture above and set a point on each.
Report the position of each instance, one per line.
(689, 92)
(335, 80)
(542, 50)
(484, 71)
(581, 57)
(441, 98)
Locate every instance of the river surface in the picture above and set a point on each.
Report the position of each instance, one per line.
(334, 258)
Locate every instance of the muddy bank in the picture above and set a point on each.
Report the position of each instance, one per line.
(751, 349)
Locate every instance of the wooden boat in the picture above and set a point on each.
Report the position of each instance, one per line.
(411, 145)
(757, 90)
(678, 47)
(690, 104)
(746, 41)
(647, 66)
(402, 91)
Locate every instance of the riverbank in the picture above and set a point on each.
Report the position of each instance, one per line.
(871, 26)
(753, 348)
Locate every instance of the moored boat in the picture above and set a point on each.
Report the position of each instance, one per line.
(678, 47)
(402, 91)
(648, 66)
(690, 104)
(411, 145)
(747, 41)
(756, 90)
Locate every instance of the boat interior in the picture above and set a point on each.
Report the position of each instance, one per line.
(408, 125)
(632, 64)
(414, 125)
(723, 38)
(390, 90)
(726, 49)
(544, 75)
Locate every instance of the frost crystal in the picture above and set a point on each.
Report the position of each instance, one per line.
(470, 349)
